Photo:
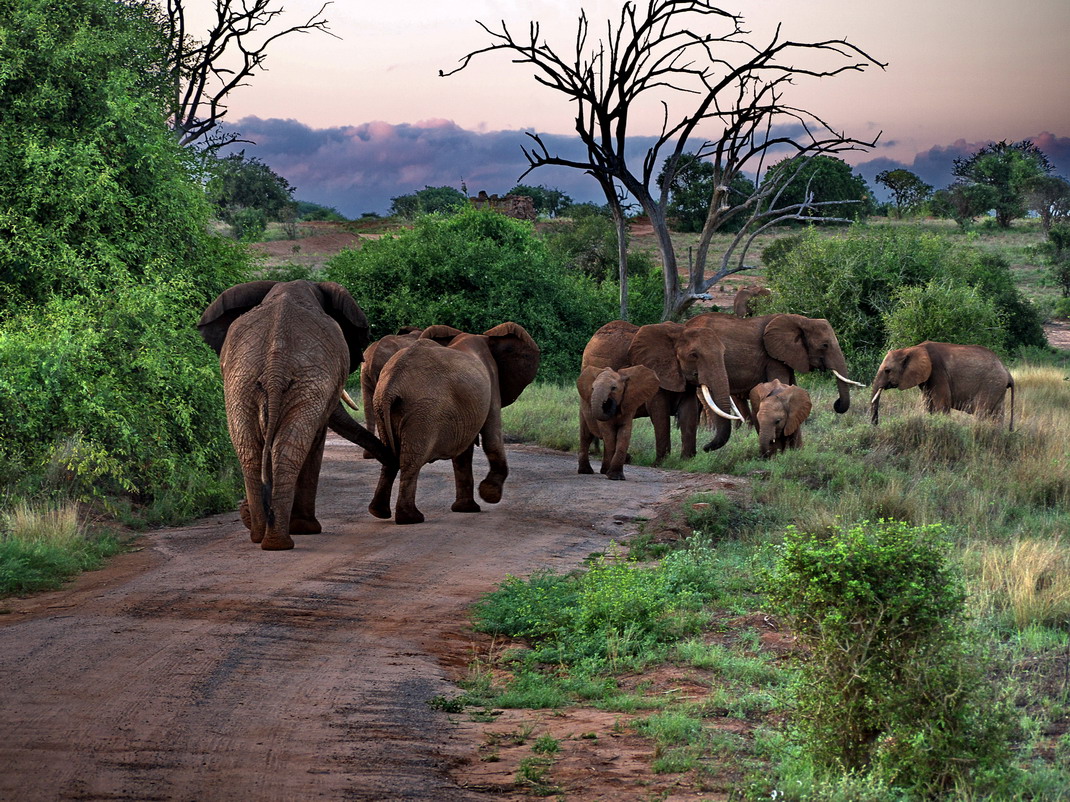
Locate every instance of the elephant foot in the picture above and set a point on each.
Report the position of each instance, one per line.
(379, 510)
(490, 492)
(243, 513)
(616, 476)
(277, 543)
(368, 455)
(413, 516)
(585, 468)
(305, 526)
(468, 505)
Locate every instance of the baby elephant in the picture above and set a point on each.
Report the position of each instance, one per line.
(969, 378)
(780, 410)
(608, 402)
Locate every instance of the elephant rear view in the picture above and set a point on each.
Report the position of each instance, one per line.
(433, 401)
(969, 378)
(285, 350)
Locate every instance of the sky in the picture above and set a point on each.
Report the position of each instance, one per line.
(356, 119)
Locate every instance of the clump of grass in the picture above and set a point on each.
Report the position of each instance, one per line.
(41, 546)
(547, 414)
(1026, 581)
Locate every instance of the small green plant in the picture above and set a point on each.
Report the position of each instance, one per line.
(534, 773)
(546, 745)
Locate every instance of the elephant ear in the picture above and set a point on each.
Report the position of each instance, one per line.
(917, 367)
(642, 385)
(517, 356)
(440, 333)
(784, 341)
(228, 307)
(585, 382)
(654, 345)
(799, 407)
(339, 304)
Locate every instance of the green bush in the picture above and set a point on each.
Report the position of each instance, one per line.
(891, 686)
(945, 312)
(474, 270)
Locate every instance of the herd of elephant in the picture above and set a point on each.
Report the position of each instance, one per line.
(286, 350)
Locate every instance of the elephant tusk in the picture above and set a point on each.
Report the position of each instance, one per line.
(716, 409)
(842, 378)
(876, 395)
(735, 409)
(345, 397)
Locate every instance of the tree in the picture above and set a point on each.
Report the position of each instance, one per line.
(1049, 197)
(429, 200)
(844, 194)
(1006, 168)
(666, 53)
(248, 193)
(203, 72)
(692, 186)
(963, 202)
(908, 190)
(547, 201)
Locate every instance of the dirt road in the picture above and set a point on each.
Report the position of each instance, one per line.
(203, 668)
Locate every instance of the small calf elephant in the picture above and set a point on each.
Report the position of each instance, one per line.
(741, 303)
(609, 400)
(970, 378)
(780, 410)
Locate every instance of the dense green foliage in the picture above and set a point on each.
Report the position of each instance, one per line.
(691, 191)
(429, 200)
(547, 200)
(890, 686)
(1006, 168)
(248, 194)
(474, 270)
(829, 180)
(105, 266)
(855, 281)
(943, 311)
(907, 189)
(307, 210)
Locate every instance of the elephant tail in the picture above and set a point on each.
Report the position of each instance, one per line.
(270, 414)
(1010, 383)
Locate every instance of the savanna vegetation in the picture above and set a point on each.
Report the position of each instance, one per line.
(920, 566)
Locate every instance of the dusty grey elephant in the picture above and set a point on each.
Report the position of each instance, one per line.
(741, 303)
(780, 410)
(285, 350)
(690, 365)
(970, 378)
(436, 397)
(760, 349)
(378, 354)
(608, 402)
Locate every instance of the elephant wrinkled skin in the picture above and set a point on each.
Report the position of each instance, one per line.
(970, 378)
(436, 397)
(285, 350)
(690, 365)
(608, 402)
(780, 410)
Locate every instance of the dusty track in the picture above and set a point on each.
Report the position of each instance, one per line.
(203, 668)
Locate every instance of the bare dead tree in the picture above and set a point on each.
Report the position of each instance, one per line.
(203, 72)
(662, 55)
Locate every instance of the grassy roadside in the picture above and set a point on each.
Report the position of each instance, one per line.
(693, 611)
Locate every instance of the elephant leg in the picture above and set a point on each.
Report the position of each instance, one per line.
(405, 510)
(658, 407)
(303, 519)
(586, 438)
(687, 417)
(618, 439)
(380, 503)
(490, 489)
(277, 535)
(464, 482)
(253, 507)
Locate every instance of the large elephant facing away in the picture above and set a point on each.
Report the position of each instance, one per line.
(760, 349)
(285, 350)
(970, 378)
(436, 397)
(690, 365)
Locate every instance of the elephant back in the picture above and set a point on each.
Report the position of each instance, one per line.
(608, 347)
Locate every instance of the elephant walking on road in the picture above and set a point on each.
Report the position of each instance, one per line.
(608, 402)
(780, 410)
(970, 378)
(285, 350)
(436, 397)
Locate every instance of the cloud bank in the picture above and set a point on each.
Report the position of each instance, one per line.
(359, 168)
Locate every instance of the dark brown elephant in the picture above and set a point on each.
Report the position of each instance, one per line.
(970, 378)
(760, 349)
(436, 397)
(780, 410)
(375, 356)
(285, 351)
(689, 363)
(608, 402)
(741, 303)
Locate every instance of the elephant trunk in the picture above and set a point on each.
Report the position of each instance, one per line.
(604, 406)
(838, 367)
(722, 419)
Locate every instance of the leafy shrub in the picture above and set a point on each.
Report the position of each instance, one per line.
(891, 686)
(429, 200)
(946, 312)
(474, 270)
